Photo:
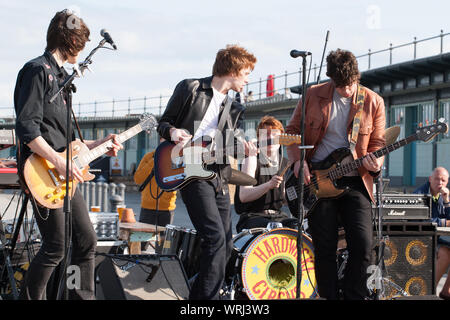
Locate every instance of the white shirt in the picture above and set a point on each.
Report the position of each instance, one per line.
(210, 120)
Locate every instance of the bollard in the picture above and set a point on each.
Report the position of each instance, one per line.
(112, 188)
(92, 194)
(98, 191)
(115, 201)
(105, 188)
(121, 191)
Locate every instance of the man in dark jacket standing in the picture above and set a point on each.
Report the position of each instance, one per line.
(194, 112)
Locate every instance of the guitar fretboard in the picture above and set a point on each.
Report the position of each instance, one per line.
(344, 169)
(98, 151)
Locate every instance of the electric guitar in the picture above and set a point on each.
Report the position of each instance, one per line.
(49, 188)
(175, 166)
(325, 173)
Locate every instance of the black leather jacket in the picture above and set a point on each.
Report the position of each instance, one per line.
(188, 104)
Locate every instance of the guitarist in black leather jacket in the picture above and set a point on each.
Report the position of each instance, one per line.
(194, 111)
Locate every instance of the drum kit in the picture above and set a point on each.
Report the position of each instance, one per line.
(263, 262)
(262, 265)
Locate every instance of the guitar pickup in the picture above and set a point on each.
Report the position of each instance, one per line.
(178, 163)
(291, 193)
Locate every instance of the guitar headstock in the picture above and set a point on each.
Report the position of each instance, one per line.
(429, 132)
(288, 139)
(148, 122)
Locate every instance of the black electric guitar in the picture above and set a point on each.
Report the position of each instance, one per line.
(325, 173)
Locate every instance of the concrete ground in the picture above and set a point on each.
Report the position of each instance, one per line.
(9, 208)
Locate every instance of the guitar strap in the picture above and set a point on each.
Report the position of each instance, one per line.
(361, 94)
(226, 111)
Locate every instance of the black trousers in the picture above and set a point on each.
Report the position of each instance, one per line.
(51, 225)
(353, 210)
(210, 214)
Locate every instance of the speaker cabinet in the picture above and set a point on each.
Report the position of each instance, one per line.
(141, 277)
(409, 258)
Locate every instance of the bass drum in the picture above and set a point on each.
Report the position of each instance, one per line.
(263, 265)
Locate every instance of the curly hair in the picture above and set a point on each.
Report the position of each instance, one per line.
(342, 68)
(231, 60)
(67, 33)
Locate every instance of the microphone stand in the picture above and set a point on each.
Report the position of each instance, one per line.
(68, 87)
(300, 217)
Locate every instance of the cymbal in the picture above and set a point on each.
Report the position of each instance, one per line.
(241, 179)
(392, 134)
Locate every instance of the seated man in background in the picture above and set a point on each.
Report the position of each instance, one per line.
(157, 206)
(260, 204)
(440, 213)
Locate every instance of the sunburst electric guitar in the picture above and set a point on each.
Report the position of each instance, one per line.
(325, 174)
(49, 188)
(175, 167)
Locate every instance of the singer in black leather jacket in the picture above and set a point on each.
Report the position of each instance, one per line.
(196, 106)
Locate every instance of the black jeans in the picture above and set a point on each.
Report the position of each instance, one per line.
(210, 214)
(354, 211)
(51, 225)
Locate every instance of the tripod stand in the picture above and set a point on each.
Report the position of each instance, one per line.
(9, 247)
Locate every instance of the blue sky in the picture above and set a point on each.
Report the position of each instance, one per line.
(161, 42)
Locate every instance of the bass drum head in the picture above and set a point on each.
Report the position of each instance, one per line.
(269, 266)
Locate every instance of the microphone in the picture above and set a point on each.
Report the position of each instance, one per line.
(108, 38)
(296, 53)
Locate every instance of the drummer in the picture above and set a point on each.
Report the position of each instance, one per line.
(260, 204)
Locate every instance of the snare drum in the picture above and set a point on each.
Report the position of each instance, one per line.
(264, 264)
(185, 244)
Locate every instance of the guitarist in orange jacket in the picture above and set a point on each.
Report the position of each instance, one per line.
(330, 110)
(41, 129)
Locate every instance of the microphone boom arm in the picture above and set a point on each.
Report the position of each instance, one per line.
(78, 71)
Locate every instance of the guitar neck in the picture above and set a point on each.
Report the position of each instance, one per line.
(344, 169)
(103, 148)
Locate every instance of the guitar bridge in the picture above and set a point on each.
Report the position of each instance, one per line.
(180, 176)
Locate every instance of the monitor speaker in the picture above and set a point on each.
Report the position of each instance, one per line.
(141, 277)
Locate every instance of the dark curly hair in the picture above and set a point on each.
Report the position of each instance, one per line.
(342, 68)
(67, 33)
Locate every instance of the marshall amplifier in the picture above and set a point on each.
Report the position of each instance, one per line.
(404, 207)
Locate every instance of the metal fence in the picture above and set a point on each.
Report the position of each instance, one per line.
(281, 84)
